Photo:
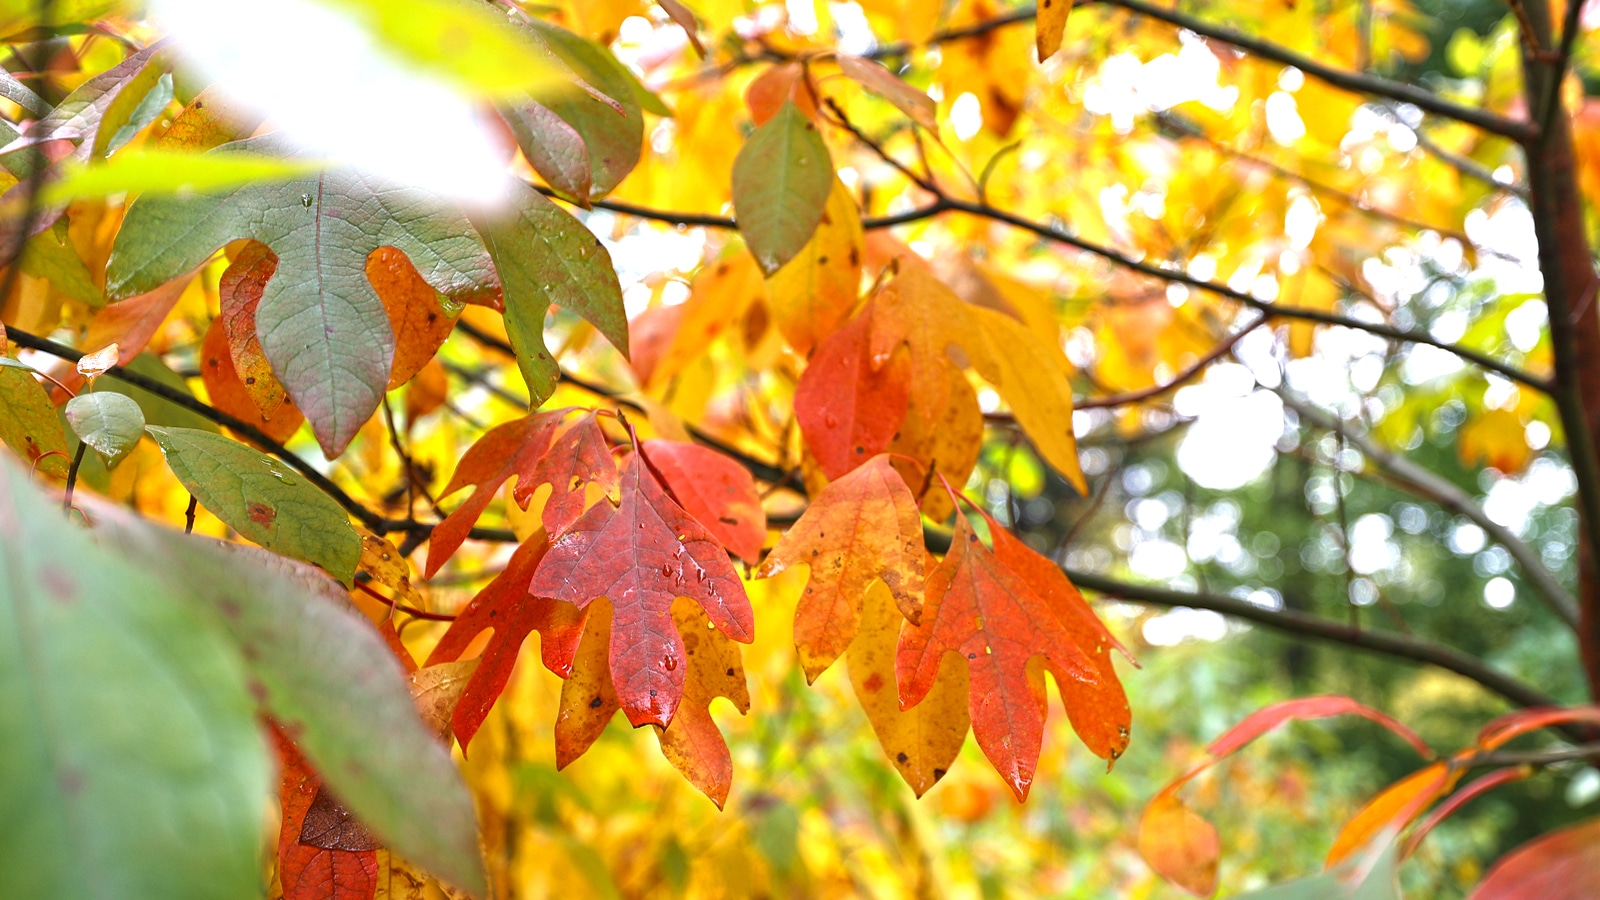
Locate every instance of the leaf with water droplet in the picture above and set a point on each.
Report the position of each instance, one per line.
(779, 187)
(607, 554)
(110, 423)
(258, 497)
(979, 608)
(717, 491)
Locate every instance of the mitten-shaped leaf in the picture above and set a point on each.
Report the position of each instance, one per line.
(976, 606)
(859, 529)
(640, 555)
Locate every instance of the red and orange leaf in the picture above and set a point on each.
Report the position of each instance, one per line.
(240, 292)
(921, 742)
(578, 459)
(588, 697)
(308, 872)
(1180, 845)
(421, 323)
(1561, 865)
(1510, 726)
(976, 606)
(229, 393)
(938, 327)
(640, 555)
(1393, 808)
(715, 669)
(1098, 709)
(717, 491)
(499, 454)
(859, 529)
(506, 606)
(849, 409)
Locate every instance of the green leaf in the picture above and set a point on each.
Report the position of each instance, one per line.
(28, 421)
(134, 767)
(159, 410)
(612, 135)
(110, 423)
(155, 171)
(321, 326)
(262, 499)
(50, 255)
(781, 181)
(323, 674)
(546, 256)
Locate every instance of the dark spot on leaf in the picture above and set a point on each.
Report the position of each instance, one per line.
(972, 656)
(730, 673)
(261, 514)
(596, 703)
(58, 583)
(938, 774)
(727, 520)
(902, 758)
(652, 693)
(822, 260)
(855, 257)
(874, 683)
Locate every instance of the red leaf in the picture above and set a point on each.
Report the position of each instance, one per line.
(577, 458)
(315, 873)
(1513, 725)
(862, 527)
(487, 464)
(640, 555)
(1477, 787)
(982, 609)
(537, 451)
(506, 606)
(849, 410)
(1562, 865)
(1180, 845)
(1098, 709)
(1269, 717)
(717, 491)
(421, 324)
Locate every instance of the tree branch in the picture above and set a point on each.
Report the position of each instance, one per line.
(1305, 625)
(1521, 132)
(1428, 485)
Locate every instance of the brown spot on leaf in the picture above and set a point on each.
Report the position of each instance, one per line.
(261, 514)
(58, 583)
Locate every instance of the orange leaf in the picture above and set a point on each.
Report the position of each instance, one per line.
(768, 92)
(812, 293)
(1052, 24)
(1393, 808)
(1181, 846)
(860, 529)
(230, 394)
(1098, 709)
(849, 409)
(420, 321)
(240, 291)
(640, 555)
(947, 441)
(978, 607)
(717, 491)
(309, 872)
(588, 697)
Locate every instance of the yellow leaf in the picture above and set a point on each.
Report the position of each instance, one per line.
(1495, 438)
(922, 741)
(814, 292)
(1052, 24)
(1032, 379)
